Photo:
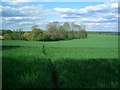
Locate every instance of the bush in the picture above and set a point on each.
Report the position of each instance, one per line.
(36, 33)
(55, 32)
(6, 32)
(7, 37)
(83, 34)
(26, 36)
(16, 36)
(45, 37)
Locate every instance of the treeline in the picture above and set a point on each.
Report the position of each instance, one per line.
(54, 32)
(12, 35)
(103, 33)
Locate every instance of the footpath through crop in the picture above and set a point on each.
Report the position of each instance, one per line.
(52, 68)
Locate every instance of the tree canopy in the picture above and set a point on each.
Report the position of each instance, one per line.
(55, 32)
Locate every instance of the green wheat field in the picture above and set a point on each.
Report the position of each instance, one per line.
(80, 63)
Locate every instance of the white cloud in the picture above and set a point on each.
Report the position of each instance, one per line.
(64, 10)
(114, 5)
(26, 23)
(48, 0)
(8, 11)
(23, 16)
(20, 18)
(89, 10)
(94, 20)
(102, 16)
(17, 2)
(0, 9)
(102, 27)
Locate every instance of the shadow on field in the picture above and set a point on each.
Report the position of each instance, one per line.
(10, 47)
(71, 73)
(91, 73)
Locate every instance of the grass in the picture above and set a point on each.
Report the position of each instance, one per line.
(26, 73)
(90, 73)
(104, 41)
(80, 63)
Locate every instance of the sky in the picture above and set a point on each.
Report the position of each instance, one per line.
(96, 16)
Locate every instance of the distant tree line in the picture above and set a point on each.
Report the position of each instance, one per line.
(54, 32)
(12, 35)
(103, 33)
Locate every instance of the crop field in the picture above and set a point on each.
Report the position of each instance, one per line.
(79, 63)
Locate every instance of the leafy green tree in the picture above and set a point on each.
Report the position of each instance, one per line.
(82, 34)
(16, 36)
(36, 33)
(6, 32)
(7, 37)
(53, 30)
(45, 37)
(63, 33)
(66, 26)
(56, 31)
(21, 33)
(26, 36)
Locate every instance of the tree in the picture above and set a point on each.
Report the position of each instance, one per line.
(6, 32)
(34, 27)
(45, 37)
(7, 37)
(26, 36)
(66, 26)
(16, 36)
(36, 33)
(82, 34)
(62, 33)
(53, 29)
(56, 31)
(20, 31)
